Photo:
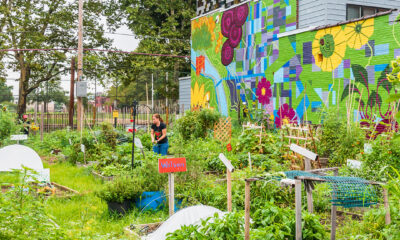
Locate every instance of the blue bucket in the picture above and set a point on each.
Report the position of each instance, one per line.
(151, 201)
(155, 201)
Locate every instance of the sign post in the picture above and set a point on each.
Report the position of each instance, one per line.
(229, 170)
(115, 116)
(19, 137)
(171, 165)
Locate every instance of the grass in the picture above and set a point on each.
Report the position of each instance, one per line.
(87, 216)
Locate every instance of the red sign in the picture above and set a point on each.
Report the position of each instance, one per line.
(169, 165)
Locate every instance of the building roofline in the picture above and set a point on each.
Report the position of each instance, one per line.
(313, 28)
(356, 19)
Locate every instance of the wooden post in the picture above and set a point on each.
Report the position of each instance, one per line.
(249, 161)
(171, 193)
(310, 205)
(298, 208)
(41, 123)
(229, 189)
(71, 95)
(307, 164)
(386, 204)
(247, 211)
(333, 220)
(166, 115)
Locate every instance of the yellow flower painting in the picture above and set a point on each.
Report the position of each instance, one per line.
(199, 98)
(329, 47)
(358, 33)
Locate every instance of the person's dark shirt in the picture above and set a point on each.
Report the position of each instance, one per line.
(26, 126)
(158, 132)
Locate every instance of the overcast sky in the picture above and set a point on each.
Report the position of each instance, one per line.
(122, 42)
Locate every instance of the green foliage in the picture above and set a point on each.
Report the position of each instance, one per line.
(273, 222)
(5, 93)
(196, 124)
(23, 214)
(228, 227)
(120, 189)
(7, 124)
(108, 135)
(338, 141)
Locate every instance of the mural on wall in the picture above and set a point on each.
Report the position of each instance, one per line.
(238, 60)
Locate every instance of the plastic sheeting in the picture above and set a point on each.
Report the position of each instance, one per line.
(186, 216)
(14, 156)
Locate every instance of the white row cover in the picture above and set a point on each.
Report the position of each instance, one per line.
(14, 156)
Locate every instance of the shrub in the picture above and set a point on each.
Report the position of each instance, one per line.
(121, 189)
(7, 124)
(197, 123)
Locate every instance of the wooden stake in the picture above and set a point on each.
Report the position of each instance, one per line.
(247, 211)
(41, 123)
(386, 204)
(310, 205)
(333, 220)
(250, 161)
(298, 209)
(171, 193)
(229, 189)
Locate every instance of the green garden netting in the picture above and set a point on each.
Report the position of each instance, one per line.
(346, 191)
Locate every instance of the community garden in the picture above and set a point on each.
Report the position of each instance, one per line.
(104, 174)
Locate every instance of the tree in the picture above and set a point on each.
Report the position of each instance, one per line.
(49, 91)
(164, 27)
(46, 24)
(5, 92)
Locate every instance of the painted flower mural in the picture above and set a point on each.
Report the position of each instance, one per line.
(285, 114)
(203, 32)
(231, 28)
(329, 47)
(358, 33)
(264, 92)
(199, 98)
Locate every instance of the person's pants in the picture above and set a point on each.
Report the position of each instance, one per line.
(161, 148)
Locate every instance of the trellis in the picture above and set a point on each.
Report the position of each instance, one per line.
(223, 130)
(302, 135)
(339, 198)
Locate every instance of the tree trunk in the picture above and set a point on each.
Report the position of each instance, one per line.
(22, 94)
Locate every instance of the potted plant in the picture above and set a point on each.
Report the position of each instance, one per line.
(120, 193)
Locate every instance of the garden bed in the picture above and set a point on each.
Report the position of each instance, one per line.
(105, 178)
(58, 190)
(140, 230)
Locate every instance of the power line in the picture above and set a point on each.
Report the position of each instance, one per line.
(92, 49)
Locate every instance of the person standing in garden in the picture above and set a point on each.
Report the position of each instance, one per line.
(159, 135)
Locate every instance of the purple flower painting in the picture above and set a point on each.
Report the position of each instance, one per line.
(264, 92)
(286, 114)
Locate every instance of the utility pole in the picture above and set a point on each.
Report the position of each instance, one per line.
(152, 92)
(80, 64)
(71, 95)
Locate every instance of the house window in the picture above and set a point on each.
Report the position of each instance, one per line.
(357, 11)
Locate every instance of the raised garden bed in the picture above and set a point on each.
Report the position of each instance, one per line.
(105, 178)
(58, 190)
(140, 230)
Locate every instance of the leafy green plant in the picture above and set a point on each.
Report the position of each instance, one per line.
(121, 189)
(7, 124)
(196, 124)
(229, 226)
(23, 214)
(273, 222)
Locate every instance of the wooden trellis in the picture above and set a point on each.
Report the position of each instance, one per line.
(302, 135)
(223, 130)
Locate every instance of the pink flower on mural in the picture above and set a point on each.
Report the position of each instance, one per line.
(264, 92)
(286, 114)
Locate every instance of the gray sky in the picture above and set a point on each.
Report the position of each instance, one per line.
(122, 42)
